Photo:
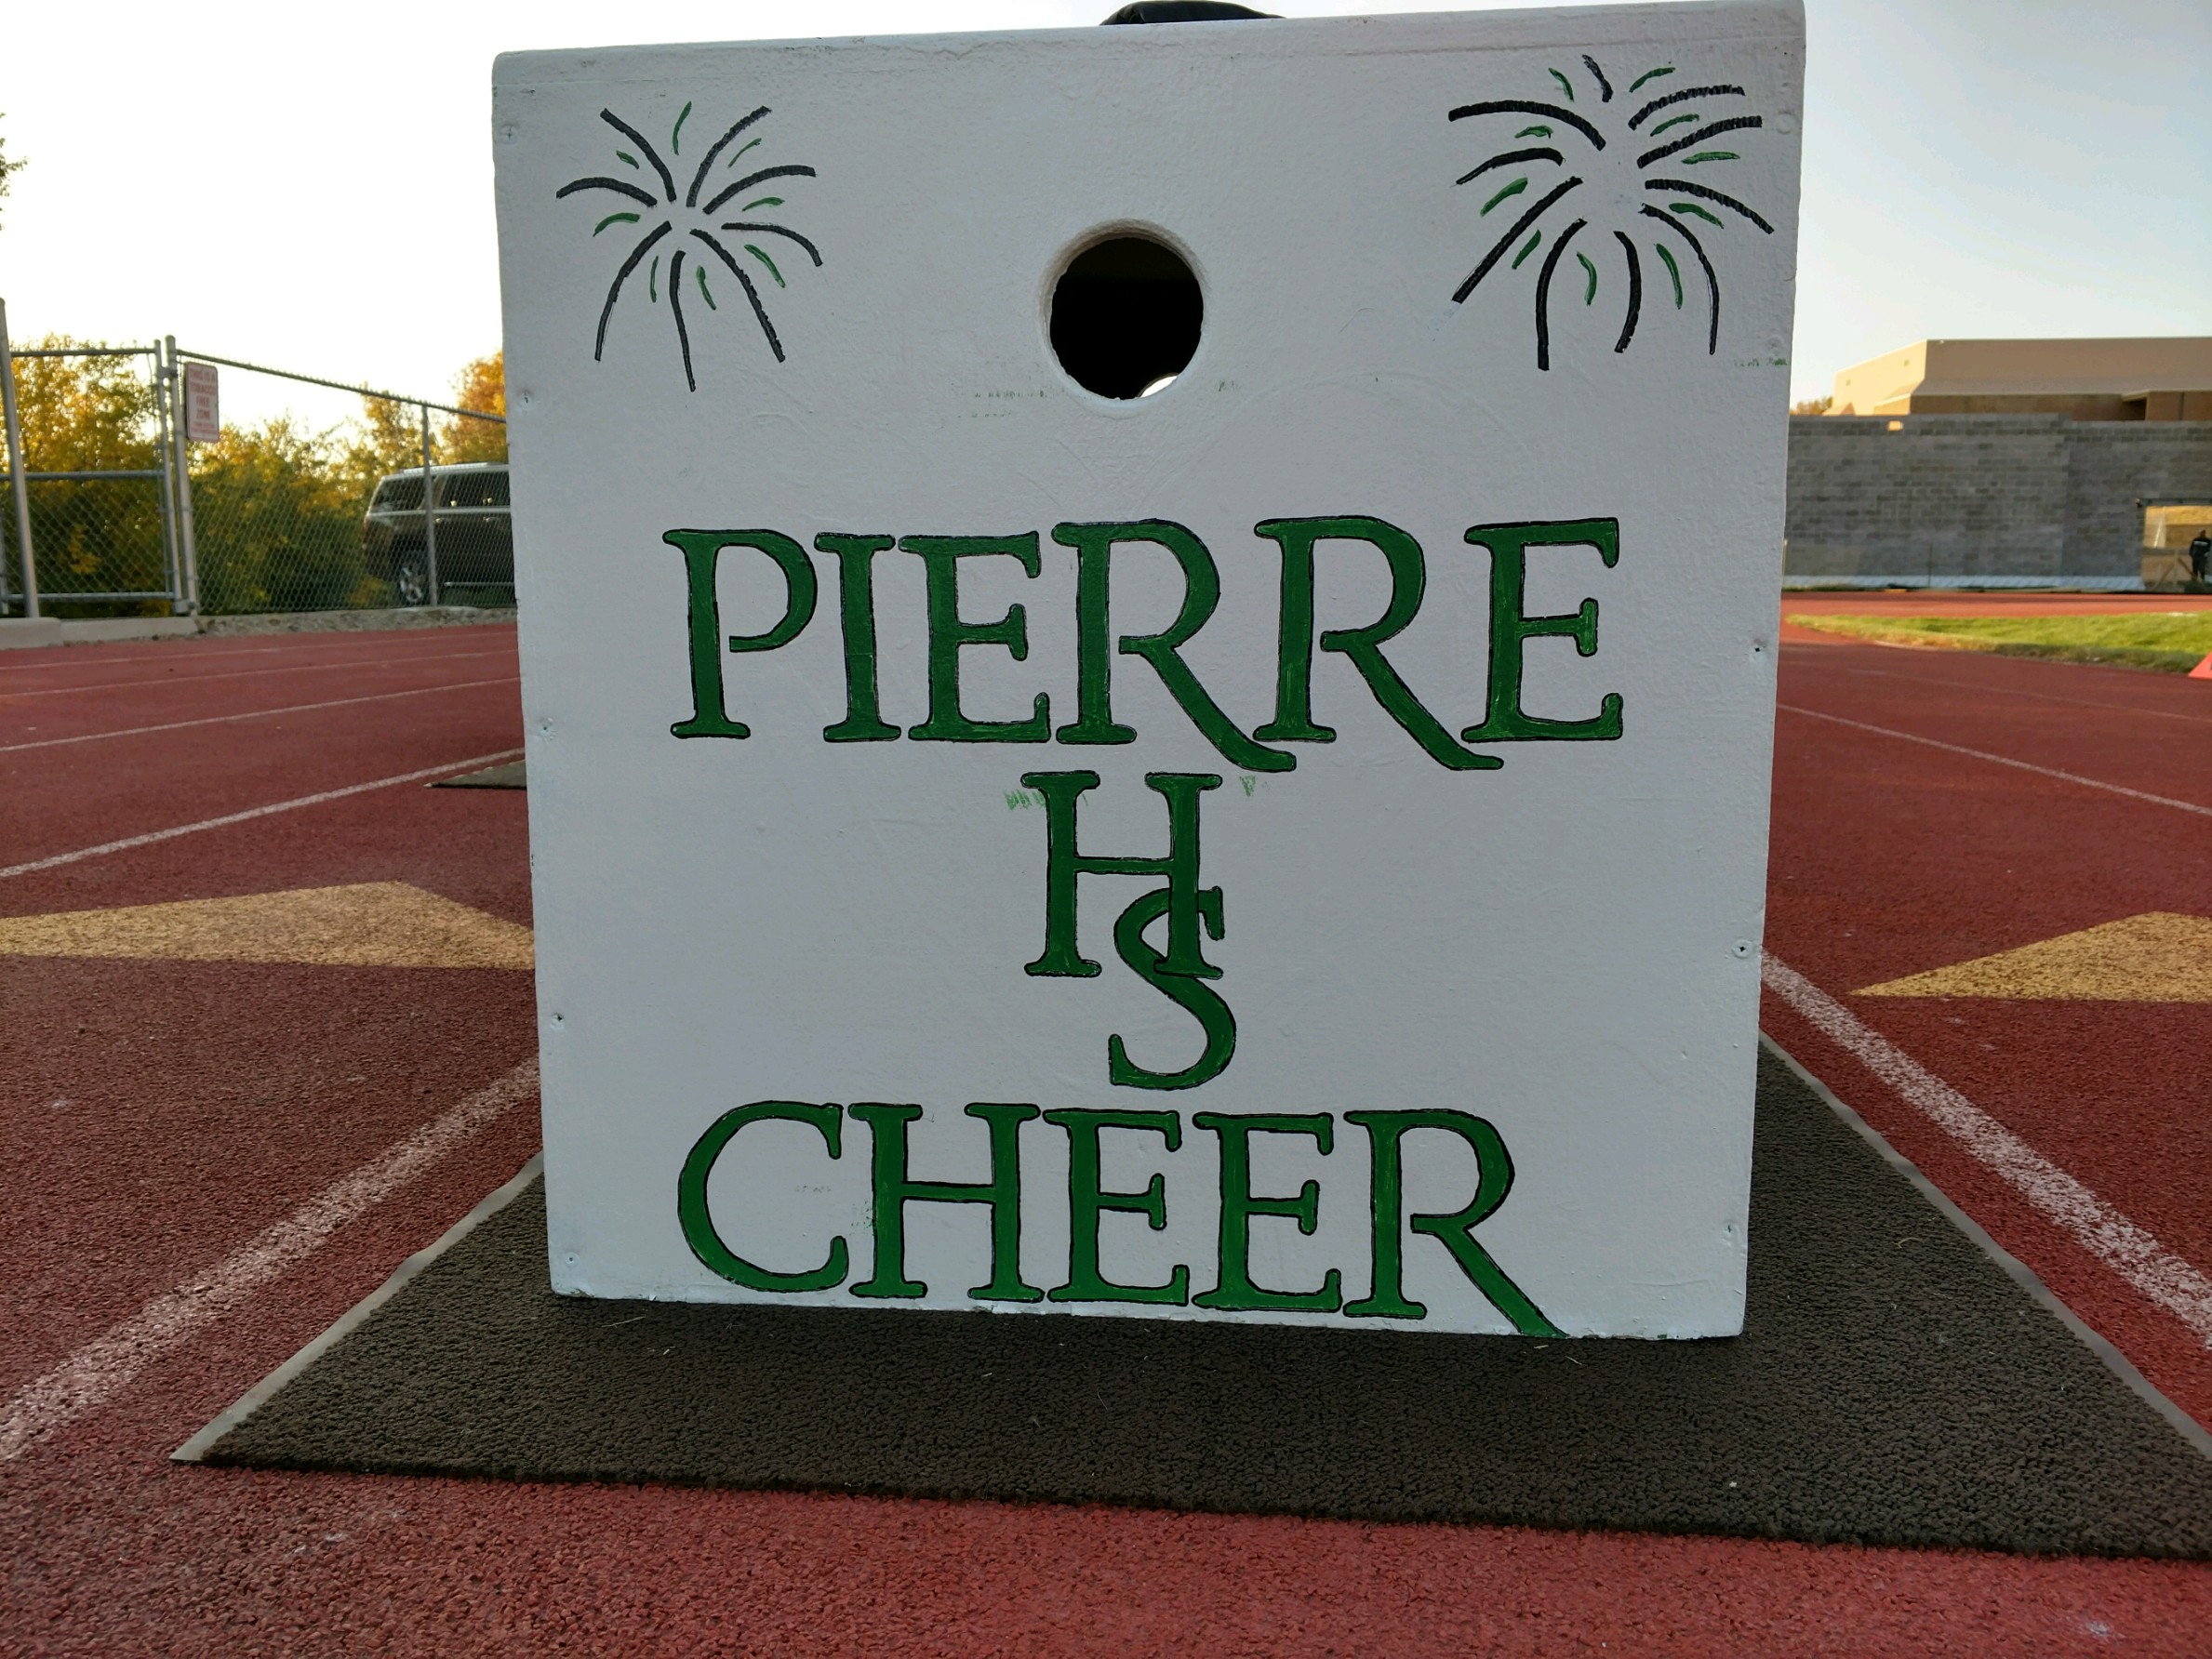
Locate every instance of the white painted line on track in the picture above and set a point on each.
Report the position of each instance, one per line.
(196, 1449)
(1979, 688)
(151, 836)
(178, 725)
(297, 668)
(2005, 760)
(2130, 1250)
(96, 656)
(205, 648)
(2118, 1363)
(91, 656)
(107, 1364)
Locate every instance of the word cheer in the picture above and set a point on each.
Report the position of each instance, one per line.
(892, 1189)
(1095, 545)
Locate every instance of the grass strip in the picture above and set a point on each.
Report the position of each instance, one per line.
(2170, 642)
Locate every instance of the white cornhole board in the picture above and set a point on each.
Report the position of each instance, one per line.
(1555, 958)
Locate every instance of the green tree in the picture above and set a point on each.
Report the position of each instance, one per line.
(6, 166)
(278, 523)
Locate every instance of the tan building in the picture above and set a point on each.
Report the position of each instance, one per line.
(2166, 378)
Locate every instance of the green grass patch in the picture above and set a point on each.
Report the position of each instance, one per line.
(2174, 642)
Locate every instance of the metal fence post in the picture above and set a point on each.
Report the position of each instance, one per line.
(165, 438)
(188, 553)
(18, 478)
(430, 513)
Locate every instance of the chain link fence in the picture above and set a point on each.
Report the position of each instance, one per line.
(291, 516)
(96, 497)
(134, 498)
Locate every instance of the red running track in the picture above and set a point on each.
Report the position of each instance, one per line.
(1892, 856)
(158, 1117)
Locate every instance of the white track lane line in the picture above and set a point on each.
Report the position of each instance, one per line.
(2130, 1250)
(2005, 760)
(206, 649)
(106, 1365)
(236, 646)
(89, 655)
(299, 667)
(2015, 691)
(178, 725)
(151, 836)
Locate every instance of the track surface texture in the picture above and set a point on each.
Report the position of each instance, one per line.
(1891, 856)
(165, 1120)
(1893, 1385)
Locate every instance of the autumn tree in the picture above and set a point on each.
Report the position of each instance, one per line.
(480, 385)
(83, 413)
(276, 507)
(385, 437)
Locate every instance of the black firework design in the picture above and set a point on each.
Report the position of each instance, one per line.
(664, 227)
(1581, 143)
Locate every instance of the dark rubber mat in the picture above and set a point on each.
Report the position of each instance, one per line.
(511, 776)
(1893, 1386)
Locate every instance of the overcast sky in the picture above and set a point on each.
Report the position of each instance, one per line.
(309, 185)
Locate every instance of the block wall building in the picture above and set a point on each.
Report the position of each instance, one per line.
(1964, 500)
(2150, 380)
(2000, 462)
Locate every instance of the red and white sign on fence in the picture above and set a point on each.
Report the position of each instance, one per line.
(203, 405)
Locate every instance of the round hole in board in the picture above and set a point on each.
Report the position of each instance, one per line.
(1127, 314)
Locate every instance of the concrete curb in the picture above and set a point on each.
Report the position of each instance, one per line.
(20, 631)
(443, 616)
(98, 630)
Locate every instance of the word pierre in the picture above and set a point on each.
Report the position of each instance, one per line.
(1504, 721)
(892, 1188)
